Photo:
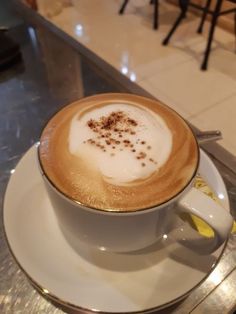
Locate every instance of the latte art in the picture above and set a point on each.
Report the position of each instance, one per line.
(124, 142)
(118, 152)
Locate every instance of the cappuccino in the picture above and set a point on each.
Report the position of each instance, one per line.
(118, 152)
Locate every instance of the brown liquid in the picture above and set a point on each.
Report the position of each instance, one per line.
(78, 180)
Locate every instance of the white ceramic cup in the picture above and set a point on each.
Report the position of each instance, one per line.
(129, 231)
(123, 231)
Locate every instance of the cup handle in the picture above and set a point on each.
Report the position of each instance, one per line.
(197, 203)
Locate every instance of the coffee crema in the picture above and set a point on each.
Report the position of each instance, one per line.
(118, 152)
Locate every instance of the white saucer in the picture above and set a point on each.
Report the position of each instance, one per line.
(92, 280)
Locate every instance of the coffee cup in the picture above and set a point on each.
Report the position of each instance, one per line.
(117, 168)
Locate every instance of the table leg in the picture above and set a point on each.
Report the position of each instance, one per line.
(211, 33)
(183, 6)
(205, 11)
(156, 13)
(122, 9)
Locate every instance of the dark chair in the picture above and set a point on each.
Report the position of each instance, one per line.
(156, 7)
(216, 13)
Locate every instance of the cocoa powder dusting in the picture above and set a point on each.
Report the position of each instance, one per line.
(111, 128)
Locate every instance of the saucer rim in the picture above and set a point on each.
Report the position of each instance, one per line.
(52, 297)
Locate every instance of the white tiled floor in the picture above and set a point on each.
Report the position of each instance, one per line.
(191, 89)
(172, 74)
(221, 116)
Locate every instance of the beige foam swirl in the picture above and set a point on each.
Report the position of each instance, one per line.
(121, 155)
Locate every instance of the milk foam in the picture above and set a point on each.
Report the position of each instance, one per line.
(132, 149)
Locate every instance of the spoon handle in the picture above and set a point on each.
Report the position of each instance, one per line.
(208, 136)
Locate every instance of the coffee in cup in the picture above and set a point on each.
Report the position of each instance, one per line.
(118, 153)
(117, 167)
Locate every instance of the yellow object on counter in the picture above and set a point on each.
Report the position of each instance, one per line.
(198, 223)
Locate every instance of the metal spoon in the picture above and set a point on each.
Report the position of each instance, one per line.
(208, 136)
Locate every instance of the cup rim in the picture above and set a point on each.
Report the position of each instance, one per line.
(113, 210)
